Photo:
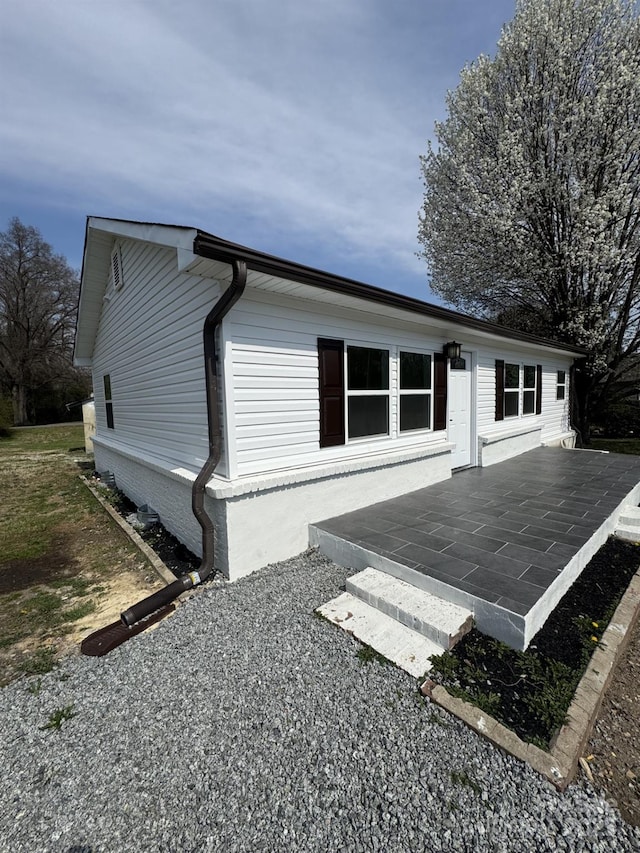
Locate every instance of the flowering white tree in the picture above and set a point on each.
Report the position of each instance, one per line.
(532, 199)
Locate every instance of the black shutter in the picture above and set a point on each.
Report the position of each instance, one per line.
(499, 389)
(439, 391)
(539, 389)
(331, 368)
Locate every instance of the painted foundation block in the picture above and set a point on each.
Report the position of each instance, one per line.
(266, 524)
(498, 448)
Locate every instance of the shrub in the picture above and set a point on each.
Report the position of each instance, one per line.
(621, 420)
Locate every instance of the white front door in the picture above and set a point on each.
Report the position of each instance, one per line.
(460, 414)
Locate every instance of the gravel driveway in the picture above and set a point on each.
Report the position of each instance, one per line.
(244, 723)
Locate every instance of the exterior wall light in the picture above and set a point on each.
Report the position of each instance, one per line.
(452, 350)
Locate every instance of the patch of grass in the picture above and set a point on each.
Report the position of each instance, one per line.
(44, 605)
(58, 717)
(50, 610)
(35, 686)
(75, 585)
(461, 777)
(367, 654)
(39, 663)
(60, 438)
(80, 611)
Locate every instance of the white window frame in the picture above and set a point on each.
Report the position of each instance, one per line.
(529, 388)
(520, 390)
(562, 385)
(365, 392)
(407, 392)
(511, 390)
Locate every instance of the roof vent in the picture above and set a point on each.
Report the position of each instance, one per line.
(116, 268)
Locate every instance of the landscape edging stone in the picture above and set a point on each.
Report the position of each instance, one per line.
(559, 764)
(165, 573)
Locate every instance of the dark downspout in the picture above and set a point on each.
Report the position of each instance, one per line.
(164, 596)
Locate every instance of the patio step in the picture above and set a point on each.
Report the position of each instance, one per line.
(406, 648)
(628, 525)
(438, 620)
(401, 622)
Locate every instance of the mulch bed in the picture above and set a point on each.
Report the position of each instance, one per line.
(176, 556)
(530, 692)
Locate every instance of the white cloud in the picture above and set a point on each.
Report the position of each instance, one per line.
(303, 116)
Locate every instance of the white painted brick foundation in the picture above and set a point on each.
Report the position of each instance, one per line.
(498, 448)
(270, 524)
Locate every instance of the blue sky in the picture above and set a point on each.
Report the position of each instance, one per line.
(292, 127)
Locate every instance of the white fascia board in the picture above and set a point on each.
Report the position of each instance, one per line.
(162, 235)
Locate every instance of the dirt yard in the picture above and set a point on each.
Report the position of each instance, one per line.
(614, 751)
(65, 567)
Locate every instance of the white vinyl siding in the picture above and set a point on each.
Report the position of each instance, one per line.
(554, 418)
(275, 380)
(150, 343)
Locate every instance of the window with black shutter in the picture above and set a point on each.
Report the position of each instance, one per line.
(518, 389)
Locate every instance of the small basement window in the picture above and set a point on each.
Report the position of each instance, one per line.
(561, 385)
(107, 400)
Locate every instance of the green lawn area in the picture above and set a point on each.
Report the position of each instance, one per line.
(63, 438)
(64, 564)
(617, 445)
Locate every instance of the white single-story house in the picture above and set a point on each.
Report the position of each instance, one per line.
(311, 394)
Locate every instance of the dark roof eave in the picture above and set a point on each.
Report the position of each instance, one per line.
(209, 246)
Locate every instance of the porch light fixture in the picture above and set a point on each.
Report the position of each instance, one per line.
(452, 350)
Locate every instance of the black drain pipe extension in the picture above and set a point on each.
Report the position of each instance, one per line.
(165, 596)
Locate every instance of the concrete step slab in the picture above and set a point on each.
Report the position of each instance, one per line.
(629, 534)
(406, 648)
(630, 517)
(440, 621)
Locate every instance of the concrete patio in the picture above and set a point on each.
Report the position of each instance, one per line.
(504, 541)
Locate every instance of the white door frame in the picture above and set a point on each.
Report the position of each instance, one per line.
(470, 372)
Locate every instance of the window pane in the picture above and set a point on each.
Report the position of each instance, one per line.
(528, 402)
(368, 369)
(560, 392)
(109, 409)
(415, 370)
(368, 416)
(510, 403)
(415, 411)
(561, 377)
(512, 376)
(107, 387)
(529, 376)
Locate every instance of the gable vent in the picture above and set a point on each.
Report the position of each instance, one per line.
(116, 268)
